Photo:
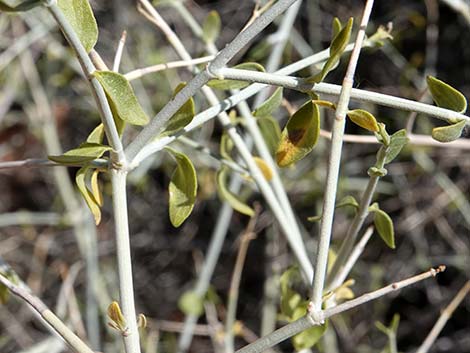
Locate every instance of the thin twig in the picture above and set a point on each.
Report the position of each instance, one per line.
(72, 340)
(312, 320)
(334, 164)
(119, 51)
(445, 316)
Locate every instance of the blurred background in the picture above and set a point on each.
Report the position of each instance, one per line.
(47, 235)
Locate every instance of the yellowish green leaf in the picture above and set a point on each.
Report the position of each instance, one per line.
(182, 117)
(235, 84)
(264, 167)
(226, 195)
(15, 6)
(448, 133)
(81, 181)
(116, 317)
(97, 135)
(336, 27)
(446, 96)
(86, 152)
(363, 119)
(80, 16)
(384, 225)
(270, 105)
(121, 94)
(397, 141)
(308, 338)
(211, 27)
(182, 189)
(299, 136)
(191, 304)
(95, 188)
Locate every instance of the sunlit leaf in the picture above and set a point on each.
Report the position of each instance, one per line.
(363, 119)
(116, 317)
(348, 201)
(397, 141)
(226, 195)
(264, 167)
(300, 135)
(191, 304)
(95, 188)
(384, 225)
(211, 27)
(15, 6)
(336, 27)
(182, 117)
(271, 132)
(270, 105)
(234, 84)
(448, 133)
(80, 16)
(81, 181)
(121, 94)
(446, 96)
(86, 152)
(97, 135)
(326, 104)
(182, 189)
(337, 47)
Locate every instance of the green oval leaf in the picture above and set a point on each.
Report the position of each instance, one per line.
(290, 299)
(337, 47)
(226, 195)
(211, 27)
(86, 152)
(336, 27)
(446, 96)
(191, 304)
(81, 18)
(397, 141)
(384, 225)
(347, 201)
(120, 93)
(234, 84)
(182, 189)
(270, 105)
(182, 117)
(363, 119)
(97, 135)
(448, 133)
(81, 180)
(300, 135)
(269, 128)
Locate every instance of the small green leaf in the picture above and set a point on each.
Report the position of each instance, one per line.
(81, 18)
(271, 132)
(234, 84)
(191, 304)
(446, 96)
(81, 180)
(226, 195)
(364, 119)
(337, 47)
(211, 27)
(14, 6)
(270, 105)
(122, 97)
(384, 225)
(308, 338)
(226, 146)
(300, 135)
(97, 135)
(182, 117)
(86, 152)
(95, 188)
(348, 201)
(264, 168)
(314, 218)
(397, 141)
(448, 133)
(336, 27)
(182, 189)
